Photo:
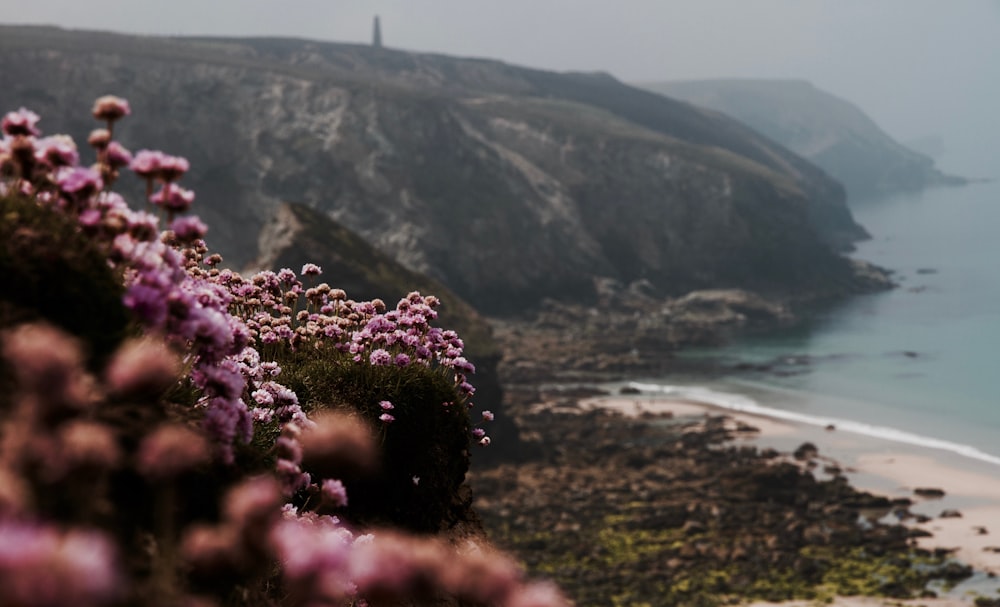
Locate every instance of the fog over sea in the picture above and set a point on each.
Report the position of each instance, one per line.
(919, 364)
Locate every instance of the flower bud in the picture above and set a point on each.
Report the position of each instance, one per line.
(111, 108)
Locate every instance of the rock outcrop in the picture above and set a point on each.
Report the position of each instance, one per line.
(508, 185)
(830, 132)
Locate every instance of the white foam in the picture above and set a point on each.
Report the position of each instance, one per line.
(745, 404)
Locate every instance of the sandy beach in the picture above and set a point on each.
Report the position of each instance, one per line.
(971, 488)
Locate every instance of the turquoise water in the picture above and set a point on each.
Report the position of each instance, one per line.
(923, 359)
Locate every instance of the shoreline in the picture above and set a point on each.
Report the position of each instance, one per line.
(879, 465)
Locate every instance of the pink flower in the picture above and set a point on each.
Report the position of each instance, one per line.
(311, 269)
(173, 167)
(173, 198)
(79, 182)
(111, 108)
(57, 150)
(117, 156)
(48, 363)
(84, 444)
(401, 360)
(386, 405)
(99, 138)
(334, 493)
(41, 566)
(538, 594)
(386, 418)
(488, 416)
(478, 432)
(171, 450)
(142, 367)
(188, 229)
(253, 503)
(21, 122)
(485, 441)
(146, 163)
(380, 358)
(338, 445)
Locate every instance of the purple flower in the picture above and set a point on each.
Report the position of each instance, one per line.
(42, 566)
(79, 182)
(311, 269)
(99, 138)
(173, 198)
(189, 228)
(263, 398)
(111, 108)
(401, 360)
(57, 150)
(478, 432)
(334, 493)
(171, 450)
(117, 156)
(488, 416)
(146, 163)
(173, 167)
(21, 122)
(380, 358)
(147, 303)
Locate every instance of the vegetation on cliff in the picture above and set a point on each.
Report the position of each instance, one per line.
(149, 454)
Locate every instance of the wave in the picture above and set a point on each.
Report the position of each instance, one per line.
(744, 404)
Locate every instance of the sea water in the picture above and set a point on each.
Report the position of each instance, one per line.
(919, 364)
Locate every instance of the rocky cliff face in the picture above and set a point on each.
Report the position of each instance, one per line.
(831, 132)
(508, 185)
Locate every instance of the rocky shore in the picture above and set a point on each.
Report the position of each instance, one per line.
(664, 509)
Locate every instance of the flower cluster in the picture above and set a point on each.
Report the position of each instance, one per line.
(68, 436)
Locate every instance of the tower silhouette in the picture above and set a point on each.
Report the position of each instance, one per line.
(377, 34)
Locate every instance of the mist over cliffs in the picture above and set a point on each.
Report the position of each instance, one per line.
(823, 128)
(509, 185)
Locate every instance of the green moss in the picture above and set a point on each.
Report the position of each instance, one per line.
(428, 438)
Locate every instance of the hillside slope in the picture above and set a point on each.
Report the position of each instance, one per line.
(509, 185)
(827, 130)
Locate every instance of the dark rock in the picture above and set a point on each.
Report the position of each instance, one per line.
(806, 451)
(928, 492)
(950, 514)
(629, 390)
(917, 532)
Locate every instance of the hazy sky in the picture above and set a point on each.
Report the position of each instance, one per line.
(916, 66)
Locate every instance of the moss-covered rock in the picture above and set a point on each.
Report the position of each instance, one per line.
(424, 450)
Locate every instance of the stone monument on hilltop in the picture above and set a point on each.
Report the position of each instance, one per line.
(377, 34)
